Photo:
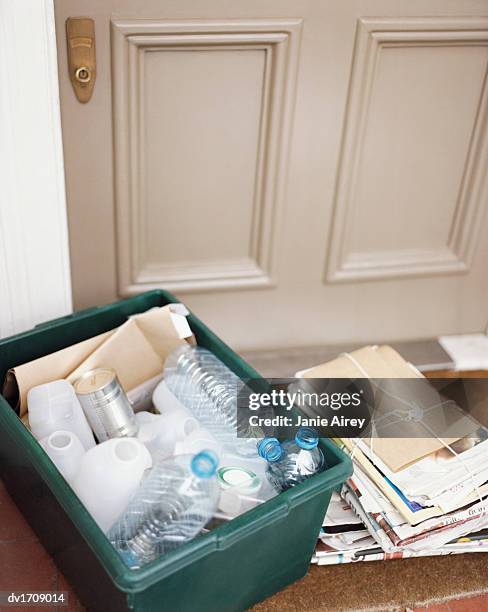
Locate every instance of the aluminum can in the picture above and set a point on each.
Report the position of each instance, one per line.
(105, 404)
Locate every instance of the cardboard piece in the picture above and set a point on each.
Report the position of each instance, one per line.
(136, 350)
(385, 363)
(57, 365)
(129, 353)
(374, 362)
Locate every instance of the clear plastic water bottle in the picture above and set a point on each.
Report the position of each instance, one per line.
(172, 505)
(293, 461)
(209, 389)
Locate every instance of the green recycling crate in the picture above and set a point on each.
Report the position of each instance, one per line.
(227, 569)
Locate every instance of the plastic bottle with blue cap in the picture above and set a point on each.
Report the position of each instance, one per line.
(293, 461)
(172, 505)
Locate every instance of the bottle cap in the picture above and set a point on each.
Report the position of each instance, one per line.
(204, 464)
(130, 558)
(239, 490)
(239, 479)
(307, 438)
(270, 449)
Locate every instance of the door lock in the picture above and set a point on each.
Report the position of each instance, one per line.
(83, 74)
(80, 34)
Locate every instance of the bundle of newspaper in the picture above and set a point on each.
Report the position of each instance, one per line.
(345, 538)
(419, 494)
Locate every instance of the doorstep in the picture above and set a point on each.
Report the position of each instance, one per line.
(285, 362)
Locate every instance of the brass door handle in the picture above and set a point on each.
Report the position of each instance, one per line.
(80, 34)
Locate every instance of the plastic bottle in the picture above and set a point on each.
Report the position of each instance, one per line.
(108, 477)
(161, 433)
(293, 461)
(239, 490)
(166, 402)
(208, 388)
(66, 452)
(172, 505)
(53, 407)
(198, 440)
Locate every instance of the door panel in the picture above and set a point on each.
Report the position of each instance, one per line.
(298, 173)
(406, 203)
(200, 113)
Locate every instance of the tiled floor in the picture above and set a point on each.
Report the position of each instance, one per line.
(24, 564)
(470, 604)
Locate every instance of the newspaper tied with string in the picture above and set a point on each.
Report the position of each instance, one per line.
(420, 481)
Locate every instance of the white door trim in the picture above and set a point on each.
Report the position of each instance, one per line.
(35, 280)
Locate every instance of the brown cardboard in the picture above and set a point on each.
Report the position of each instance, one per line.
(129, 353)
(46, 369)
(136, 350)
(374, 362)
(384, 362)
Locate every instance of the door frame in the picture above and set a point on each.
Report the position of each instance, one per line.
(35, 272)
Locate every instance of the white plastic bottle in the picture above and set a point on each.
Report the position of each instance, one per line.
(166, 402)
(198, 440)
(161, 433)
(66, 452)
(153, 434)
(239, 490)
(53, 407)
(108, 477)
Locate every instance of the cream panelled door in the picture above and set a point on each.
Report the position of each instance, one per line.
(297, 172)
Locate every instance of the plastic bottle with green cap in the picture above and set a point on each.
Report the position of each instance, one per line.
(174, 502)
(293, 461)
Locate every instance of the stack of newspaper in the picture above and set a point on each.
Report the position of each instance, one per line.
(345, 538)
(420, 494)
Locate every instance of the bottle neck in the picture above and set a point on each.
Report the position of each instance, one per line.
(307, 438)
(270, 449)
